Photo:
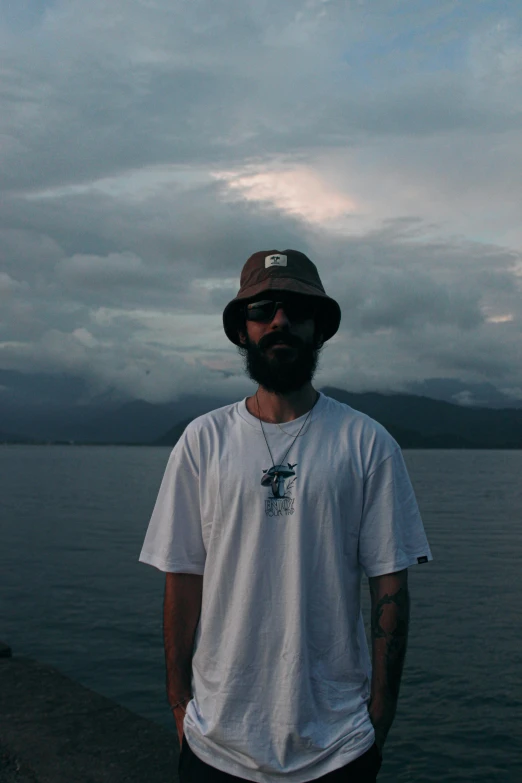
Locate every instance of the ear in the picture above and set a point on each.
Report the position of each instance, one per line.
(318, 337)
(319, 328)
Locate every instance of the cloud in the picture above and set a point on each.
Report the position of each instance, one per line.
(8, 286)
(95, 272)
(149, 148)
(297, 191)
(97, 89)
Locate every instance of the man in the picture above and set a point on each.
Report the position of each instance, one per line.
(270, 511)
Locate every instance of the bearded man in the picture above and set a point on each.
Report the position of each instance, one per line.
(269, 513)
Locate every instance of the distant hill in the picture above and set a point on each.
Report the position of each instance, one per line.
(9, 437)
(38, 407)
(479, 394)
(136, 421)
(421, 423)
(415, 421)
(42, 407)
(171, 437)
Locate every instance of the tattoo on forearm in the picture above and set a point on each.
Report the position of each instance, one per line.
(401, 600)
(392, 626)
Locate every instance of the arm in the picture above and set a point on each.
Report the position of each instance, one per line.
(390, 613)
(181, 610)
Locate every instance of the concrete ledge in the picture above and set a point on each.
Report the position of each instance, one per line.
(53, 730)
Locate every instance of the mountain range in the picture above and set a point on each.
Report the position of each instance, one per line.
(420, 422)
(45, 408)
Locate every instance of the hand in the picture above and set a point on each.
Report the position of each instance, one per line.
(379, 741)
(381, 720)
(179, 717)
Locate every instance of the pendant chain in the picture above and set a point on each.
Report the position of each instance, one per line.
(295, 438)
(290, 435)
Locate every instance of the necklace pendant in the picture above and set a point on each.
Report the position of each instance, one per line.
(275, 478)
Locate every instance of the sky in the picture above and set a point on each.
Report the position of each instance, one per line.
(149, 147)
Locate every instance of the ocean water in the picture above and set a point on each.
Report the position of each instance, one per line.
(72, 594)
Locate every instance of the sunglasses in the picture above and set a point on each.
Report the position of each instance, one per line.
(264, 310)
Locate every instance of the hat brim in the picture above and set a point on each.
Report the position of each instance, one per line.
(330, 310)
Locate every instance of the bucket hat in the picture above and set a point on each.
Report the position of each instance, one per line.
(288, 271)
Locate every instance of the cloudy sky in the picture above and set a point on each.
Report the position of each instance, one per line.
(148, 147)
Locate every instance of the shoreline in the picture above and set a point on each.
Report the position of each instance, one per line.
(54, 730)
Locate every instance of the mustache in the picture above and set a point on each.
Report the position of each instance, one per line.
(279, 337)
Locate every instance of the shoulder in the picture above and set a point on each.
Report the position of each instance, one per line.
(199, 436)
(359, 433)
(215, 419)
(206, 427)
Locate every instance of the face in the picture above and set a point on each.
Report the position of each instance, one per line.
(281, 355)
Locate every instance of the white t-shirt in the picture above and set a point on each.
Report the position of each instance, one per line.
(281, 670)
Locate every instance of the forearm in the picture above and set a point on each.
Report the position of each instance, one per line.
(181, 611)
(389, 634)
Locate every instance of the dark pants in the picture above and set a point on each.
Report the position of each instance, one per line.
(362, 770)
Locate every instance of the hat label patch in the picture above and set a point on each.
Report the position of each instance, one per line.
(275, 260)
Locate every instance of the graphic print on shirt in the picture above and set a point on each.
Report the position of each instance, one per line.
(280, 479)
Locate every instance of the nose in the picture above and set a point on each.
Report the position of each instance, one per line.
(280, 319)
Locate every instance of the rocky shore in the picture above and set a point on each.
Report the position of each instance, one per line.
(53, 730)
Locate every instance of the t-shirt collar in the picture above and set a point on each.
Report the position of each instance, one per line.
(291, 427)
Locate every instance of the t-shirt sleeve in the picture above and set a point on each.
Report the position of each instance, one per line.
(174, 541)
(391, 535)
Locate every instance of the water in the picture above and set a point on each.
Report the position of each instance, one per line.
(72, 521)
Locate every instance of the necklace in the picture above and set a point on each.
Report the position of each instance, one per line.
(277, 474)
(291, 434)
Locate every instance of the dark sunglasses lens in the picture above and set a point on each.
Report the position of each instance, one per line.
(266, 309)
(298, 311)
(261, 311)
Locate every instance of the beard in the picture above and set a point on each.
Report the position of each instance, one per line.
(283, 371)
